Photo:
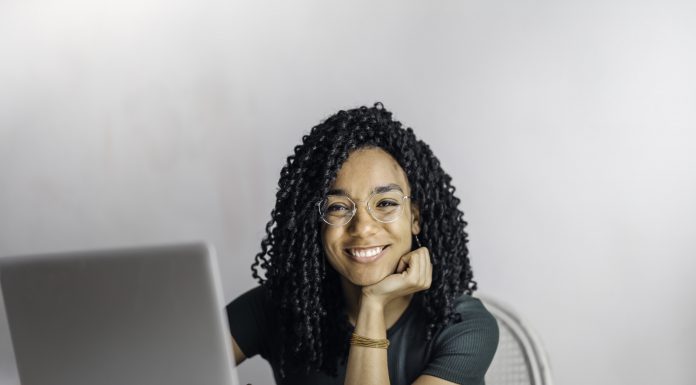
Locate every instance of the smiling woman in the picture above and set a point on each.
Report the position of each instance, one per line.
(367, 276)
(366, 248)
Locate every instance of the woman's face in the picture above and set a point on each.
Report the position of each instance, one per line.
(351, 248)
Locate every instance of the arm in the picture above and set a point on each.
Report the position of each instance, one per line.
(430, 380)
(248, 322)
(463, 351)
(239, 356)
(368, 366)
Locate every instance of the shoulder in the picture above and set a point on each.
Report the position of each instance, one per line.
(477, 325)
(463, 351)
(254, 300)
(256, 294)
(250, 320)
(471, 308)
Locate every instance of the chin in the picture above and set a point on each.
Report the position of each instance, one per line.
(367, 280)
(363, 283)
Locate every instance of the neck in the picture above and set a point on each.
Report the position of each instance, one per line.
(353, 296)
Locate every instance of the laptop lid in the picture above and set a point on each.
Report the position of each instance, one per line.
(148, 315)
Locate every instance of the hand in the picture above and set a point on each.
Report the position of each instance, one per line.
(414, 273)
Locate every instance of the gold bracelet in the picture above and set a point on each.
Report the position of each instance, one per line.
(368, 342)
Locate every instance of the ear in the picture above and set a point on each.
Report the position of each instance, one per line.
(415, 219)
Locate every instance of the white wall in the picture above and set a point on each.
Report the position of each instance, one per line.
(569, 129)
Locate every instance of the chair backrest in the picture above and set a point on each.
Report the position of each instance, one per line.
(520, 358)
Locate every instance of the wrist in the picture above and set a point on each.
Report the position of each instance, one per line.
(371, 303)
(370, 322)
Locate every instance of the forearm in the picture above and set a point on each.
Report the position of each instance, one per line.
(366, 365)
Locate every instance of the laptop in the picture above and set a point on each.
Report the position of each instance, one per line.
(135, 316)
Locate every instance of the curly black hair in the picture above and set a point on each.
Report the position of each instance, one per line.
(305, 291)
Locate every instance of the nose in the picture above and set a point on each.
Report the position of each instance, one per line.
(362, 224)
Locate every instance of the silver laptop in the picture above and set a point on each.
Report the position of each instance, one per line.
(139, 316)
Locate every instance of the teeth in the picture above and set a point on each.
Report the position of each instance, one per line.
(366, 253)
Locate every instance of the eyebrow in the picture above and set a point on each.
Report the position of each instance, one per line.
(376, 190)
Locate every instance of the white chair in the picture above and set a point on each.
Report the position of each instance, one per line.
(520, 358)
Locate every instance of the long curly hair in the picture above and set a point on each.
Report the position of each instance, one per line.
(304, 288)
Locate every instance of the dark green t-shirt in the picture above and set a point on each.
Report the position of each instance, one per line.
(460, 353)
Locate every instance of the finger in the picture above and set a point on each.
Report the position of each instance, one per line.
(429, 272)
(423, 268)
(426, 275)
(401, 266)
(404, 262)
(413, 270)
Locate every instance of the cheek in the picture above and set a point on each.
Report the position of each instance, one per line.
(403, 236)
(329, 239)
(401, 230)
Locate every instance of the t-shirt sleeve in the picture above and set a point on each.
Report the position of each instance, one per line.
(463, 351)
(248, 317)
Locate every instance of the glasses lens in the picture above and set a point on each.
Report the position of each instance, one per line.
(336, 209)
(386, 207)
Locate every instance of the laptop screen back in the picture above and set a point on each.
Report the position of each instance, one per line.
(131, 316)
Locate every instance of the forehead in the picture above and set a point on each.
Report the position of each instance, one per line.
(368, 168)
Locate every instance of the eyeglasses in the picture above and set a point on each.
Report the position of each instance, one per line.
(385, 207)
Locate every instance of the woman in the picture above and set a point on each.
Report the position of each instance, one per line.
(367, 279)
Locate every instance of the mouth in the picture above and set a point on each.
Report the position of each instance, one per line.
(365, 254)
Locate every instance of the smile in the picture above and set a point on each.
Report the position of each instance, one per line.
(366, 254)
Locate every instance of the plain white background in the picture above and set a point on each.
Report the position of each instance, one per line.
(568, 127)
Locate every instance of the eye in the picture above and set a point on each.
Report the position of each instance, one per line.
(387, 203)
(337, 208)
